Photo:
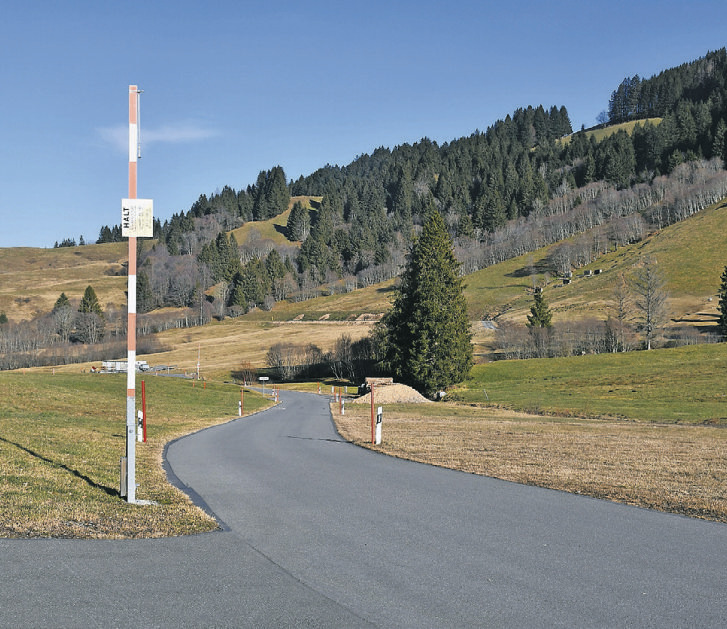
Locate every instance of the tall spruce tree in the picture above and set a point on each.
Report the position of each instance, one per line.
(540, 314)
(90, 321)
(298, 225)
(723, 305)
(427, 336)
(89, 302)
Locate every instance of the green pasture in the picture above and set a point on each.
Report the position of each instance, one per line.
(602, 133)
(680, 385)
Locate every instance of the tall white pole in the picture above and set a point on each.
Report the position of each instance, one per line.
(131, 326)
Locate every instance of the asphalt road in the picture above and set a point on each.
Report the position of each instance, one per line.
(319, 533)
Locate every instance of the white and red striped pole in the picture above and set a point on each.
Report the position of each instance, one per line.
(131, 325)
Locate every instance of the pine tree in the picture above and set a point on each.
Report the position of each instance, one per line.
(62, 302)
(90, 302)
(271, 194)
(428, 341)
(144, 295)
(540, 314)
(298, 225)
(90, 323)
(63, 317)
(723, 305)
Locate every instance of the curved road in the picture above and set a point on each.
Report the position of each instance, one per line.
(320, 533)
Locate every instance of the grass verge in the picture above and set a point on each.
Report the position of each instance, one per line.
(61, 438)
(674, 468)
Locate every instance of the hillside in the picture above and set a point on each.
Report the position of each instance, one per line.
(273, 229)
(691, 254)
(525, 201)
(31, 279)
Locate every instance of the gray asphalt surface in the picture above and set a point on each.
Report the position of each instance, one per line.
(319, 533)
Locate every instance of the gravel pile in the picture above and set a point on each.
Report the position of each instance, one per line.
(392, 394)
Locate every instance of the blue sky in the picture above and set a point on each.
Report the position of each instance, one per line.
(233, 87)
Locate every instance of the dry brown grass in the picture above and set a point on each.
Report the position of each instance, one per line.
(224, 346)
(61, 438)
(679, 469)
(32, 279)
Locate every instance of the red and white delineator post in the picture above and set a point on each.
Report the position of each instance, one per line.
(136, 221)
(131, 325)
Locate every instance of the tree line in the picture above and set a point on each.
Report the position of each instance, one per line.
(498, 189)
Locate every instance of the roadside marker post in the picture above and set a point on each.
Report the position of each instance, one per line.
(372, 413)
(140, 426)
(143, 406)
(379, 418)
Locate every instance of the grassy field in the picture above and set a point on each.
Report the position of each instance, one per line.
(32, 279)
(660, 441)
(600, 134)
(680, 385)
(61, 439)
(273, 229)
(506, 288)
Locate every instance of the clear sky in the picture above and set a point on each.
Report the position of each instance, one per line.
(233, 87)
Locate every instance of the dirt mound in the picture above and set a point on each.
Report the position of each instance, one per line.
(392, 394)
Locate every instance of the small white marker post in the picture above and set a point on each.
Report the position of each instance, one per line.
(379, 418)
(140, 426)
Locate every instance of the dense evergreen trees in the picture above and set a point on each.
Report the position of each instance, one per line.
(271, 194)
(697, 81)
(503, 191)
(427, 340)
(298, 224)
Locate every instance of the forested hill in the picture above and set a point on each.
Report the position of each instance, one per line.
(515, 182)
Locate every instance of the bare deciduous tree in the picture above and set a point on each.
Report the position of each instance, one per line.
(649, 287)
